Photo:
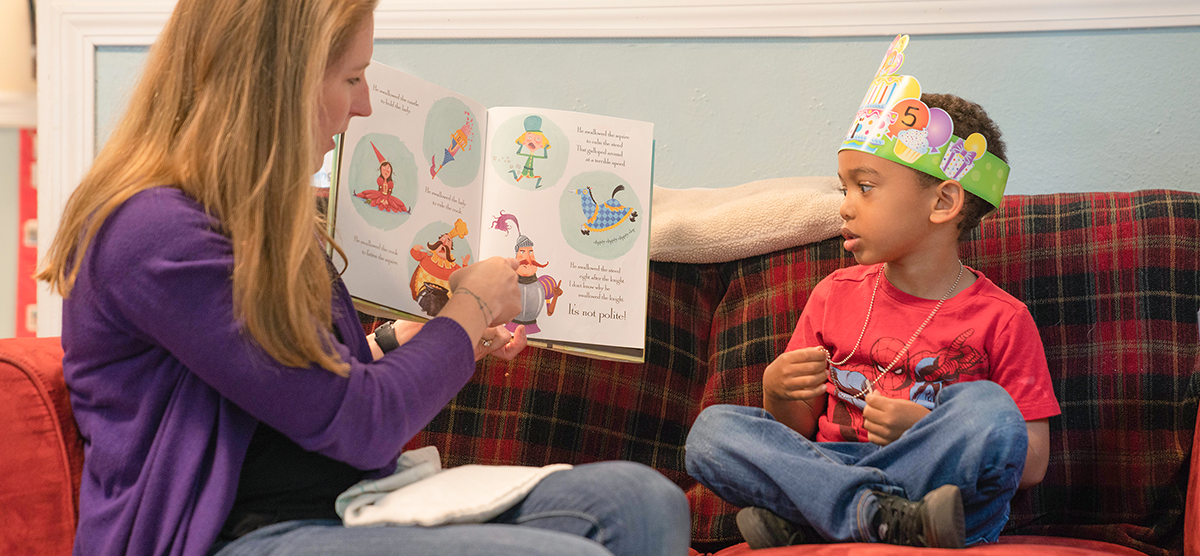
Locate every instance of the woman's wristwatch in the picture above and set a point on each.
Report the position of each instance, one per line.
(385, 337)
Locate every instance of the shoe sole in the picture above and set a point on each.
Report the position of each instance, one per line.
(755, 531)
(944, 527)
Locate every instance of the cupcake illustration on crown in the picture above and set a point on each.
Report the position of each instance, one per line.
(893, 123)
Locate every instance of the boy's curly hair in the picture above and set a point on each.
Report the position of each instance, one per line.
(968, 118)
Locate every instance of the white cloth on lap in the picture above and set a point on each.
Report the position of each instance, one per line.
(725, 224)
(422, 493)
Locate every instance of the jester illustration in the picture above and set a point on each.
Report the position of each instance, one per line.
(603, 217)
(536, 291)
(459, 140)
(530, 143)
(933, 371)
(382, 198)
(430, 283)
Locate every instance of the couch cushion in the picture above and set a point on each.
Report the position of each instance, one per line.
(43, 456)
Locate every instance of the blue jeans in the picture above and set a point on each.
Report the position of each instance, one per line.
(975, 438)
(607, 508)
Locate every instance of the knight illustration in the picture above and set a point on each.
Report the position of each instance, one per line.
(606, 216)
(430, 284)
(536, 291)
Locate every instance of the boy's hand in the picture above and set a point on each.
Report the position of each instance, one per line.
(886, 419)
(796, 375)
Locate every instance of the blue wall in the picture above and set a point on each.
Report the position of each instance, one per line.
(1080, 111)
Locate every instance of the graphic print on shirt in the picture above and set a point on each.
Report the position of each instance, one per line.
(919, 376)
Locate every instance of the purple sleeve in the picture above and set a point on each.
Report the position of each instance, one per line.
(548, 285)
(169, 281)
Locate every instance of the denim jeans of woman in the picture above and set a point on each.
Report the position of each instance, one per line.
(974, 438)
(607, 508)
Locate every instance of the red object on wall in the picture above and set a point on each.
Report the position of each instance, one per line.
(27, 238)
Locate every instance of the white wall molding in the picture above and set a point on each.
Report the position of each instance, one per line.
(397, 19)
(68, 34)
(18, 110)
(69, 31)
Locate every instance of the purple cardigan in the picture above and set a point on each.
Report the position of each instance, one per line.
(167, 391)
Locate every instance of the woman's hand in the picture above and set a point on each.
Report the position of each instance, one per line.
(499, 342)
(885, 419)
(484, 295)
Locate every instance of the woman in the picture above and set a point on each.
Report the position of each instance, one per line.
(218, 374)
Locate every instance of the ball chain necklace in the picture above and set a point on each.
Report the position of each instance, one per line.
(871, 386)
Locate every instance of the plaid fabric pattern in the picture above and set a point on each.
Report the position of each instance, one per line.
(1112, 280)
(546, 407)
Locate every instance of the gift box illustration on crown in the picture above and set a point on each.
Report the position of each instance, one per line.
(893, 123)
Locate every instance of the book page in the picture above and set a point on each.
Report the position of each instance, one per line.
(406, 203)
(568, 194)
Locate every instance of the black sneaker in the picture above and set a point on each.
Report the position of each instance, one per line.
(936, 521)
(762, 528)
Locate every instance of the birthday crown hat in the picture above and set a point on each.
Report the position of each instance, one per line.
(892, 123)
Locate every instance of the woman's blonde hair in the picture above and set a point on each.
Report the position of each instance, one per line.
(225, 112)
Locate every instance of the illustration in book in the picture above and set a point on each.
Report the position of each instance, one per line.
(382, 198)
(432, 182)
(451, 143)
(531, 151)
(382, 181)
(536, 291)
(435, 262)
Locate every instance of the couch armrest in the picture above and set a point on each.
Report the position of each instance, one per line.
(42, 456)
(1191, 514)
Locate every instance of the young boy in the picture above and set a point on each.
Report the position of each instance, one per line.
(912, 400)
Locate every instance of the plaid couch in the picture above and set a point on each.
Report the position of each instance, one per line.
(1112, 280)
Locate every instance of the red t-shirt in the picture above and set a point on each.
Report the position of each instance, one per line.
(983, 333)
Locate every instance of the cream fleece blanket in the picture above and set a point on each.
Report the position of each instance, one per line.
(720, 225)
(421, 493)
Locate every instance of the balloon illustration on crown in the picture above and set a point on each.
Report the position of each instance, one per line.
(894, 124)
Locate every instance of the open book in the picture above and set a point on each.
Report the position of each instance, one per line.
(432, 181)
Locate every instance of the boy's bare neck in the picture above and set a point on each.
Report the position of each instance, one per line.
(929, 277)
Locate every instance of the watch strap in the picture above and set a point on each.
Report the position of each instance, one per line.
(385, 337)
